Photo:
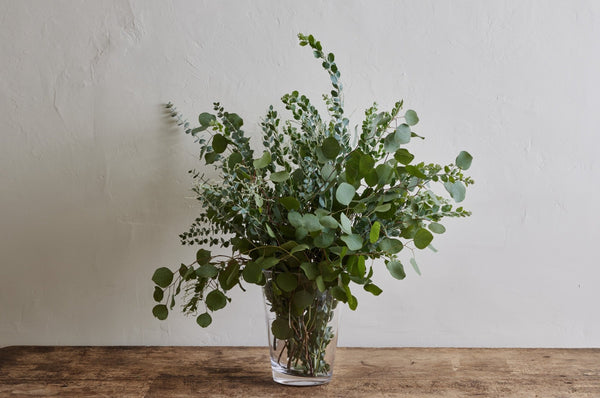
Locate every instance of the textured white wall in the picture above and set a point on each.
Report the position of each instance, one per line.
(93, 180)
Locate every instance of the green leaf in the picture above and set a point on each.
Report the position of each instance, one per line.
(365, 165)
(346, 224)
(287, 281)
(263, 161)
(457, 190)
(234, 159)
(158, 294)
(207, 271)
(390, 144)
(403, 156)
(345, 193)
(295, 219)
(269, 230)
(280, 176)
(329, 222)
(163, 277)
(391, 246)
(301, 233)
(384, 174)
(354, 241)
(311, 222)
(320, 283)
(290, 203)
(299, 248)
(328, 172)
(436, 228)
(252, 272)
(411, 117)
(281, 329)
(219, 143)
(311, 270)
(160, 311)
(371, 178)
(302, 299)
(352, 303)
(215, 300)
(463, 160)
(330, 148)
(374, 234)
(422, 238)
(403, 134)
(383, 208)
(339, 293)
(267, 262)
(373, 289)
(324, 240)
(415, 171)
(230, 276)
(204, 320)
(206, 119)
(203, 256)
(413, 262)
(396, 269)
(210, 157)
(234, 119)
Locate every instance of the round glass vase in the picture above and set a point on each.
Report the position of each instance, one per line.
(302, 327)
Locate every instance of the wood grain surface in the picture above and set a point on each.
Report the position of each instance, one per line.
(27, 371)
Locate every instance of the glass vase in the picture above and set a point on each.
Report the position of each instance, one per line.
(302, 327)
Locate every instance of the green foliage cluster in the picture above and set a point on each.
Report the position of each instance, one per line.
(313, 207)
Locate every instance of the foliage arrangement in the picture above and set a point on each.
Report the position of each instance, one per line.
(312, 208)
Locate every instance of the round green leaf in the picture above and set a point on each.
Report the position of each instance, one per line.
(234, 159)
(411, 117)
(252, 273)
(330, 148)
(295, 219)
(303, 299)
(204, 319)
(263, 161)
(280, 176)
(203, 256)
(234, 119)
(160, 311)
(290, 203)
(219, 143)
(287, 281)
(206, 119)
(324, 240)
(215, 300)
(329, 222)
(158, 294)
(311, 270)
(354, 241)
(403, 156)
(365, 165)
(384, 174)
(422, 238)
(207, 271)
(281, 329)
(436, 228)
(345, 193)
(463, 160)
(328, 172)
(396, 269)
(391, 246)
(311, 223)
(457, 190)
(403, 134)
(374, 234)
(163, 277)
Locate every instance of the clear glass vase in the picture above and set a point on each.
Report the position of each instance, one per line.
(302, 328)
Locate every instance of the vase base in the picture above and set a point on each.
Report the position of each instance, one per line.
(299, 381)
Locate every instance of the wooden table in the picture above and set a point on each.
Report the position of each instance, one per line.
(245, 372)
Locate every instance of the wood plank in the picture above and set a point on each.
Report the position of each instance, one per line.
(27, 371)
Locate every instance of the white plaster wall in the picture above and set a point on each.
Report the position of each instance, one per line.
(93, 180)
